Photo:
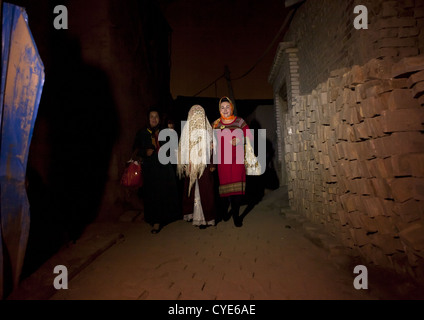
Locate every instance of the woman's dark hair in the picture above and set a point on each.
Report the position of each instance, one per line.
(154, 108)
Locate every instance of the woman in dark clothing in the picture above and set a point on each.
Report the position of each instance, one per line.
(160, 194)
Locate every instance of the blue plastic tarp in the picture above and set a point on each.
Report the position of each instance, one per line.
(22, 80)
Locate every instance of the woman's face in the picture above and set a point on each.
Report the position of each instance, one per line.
(154, 119)
(225, 109)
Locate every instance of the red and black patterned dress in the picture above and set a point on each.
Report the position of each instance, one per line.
(231, 169)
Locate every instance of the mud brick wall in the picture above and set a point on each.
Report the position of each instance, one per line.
(102, 75)
(355, 160)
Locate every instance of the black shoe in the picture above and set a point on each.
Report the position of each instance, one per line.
(203, 227)
(238, 221)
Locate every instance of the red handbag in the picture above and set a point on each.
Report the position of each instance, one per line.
(133, 175)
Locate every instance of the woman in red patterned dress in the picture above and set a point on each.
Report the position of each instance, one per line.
(230, 132)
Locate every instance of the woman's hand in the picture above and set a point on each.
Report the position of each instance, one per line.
(149, 152)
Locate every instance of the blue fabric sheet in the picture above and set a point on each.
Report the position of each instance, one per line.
(22, 80)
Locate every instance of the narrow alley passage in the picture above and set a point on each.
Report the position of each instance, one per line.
(274, 256)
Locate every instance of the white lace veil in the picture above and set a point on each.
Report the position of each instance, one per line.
(195, 145)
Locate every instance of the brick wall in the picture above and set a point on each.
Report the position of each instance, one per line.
(355, 160)
(324, 33)
(353, 135)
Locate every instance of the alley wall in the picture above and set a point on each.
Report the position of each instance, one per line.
(353, 129)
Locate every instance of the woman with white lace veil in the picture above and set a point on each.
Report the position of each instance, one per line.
(194, 165)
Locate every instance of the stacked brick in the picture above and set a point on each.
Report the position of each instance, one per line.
(318, 26)
(398, 26)
(324, 33)
(292, 68)
(355, 160)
